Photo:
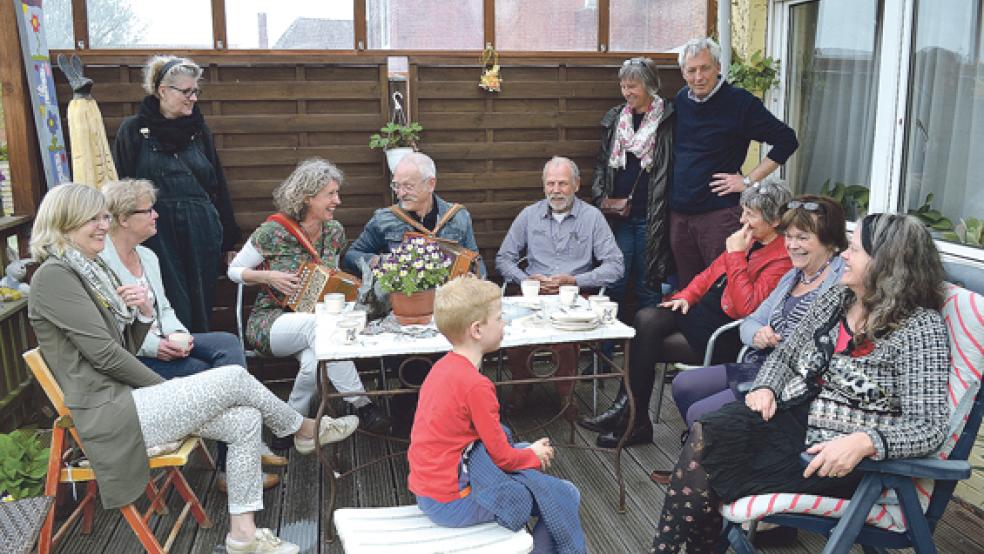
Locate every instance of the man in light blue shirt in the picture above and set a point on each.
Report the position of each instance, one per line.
(565, 241)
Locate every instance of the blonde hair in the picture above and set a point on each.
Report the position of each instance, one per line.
(461, 302)
(63, 209)
(307, 180)
(151, 72)
(123, 196)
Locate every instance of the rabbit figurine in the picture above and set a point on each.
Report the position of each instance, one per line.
(16, 271)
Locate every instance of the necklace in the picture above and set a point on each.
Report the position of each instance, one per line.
(809, 280)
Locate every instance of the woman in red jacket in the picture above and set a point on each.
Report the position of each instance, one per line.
(678, 330)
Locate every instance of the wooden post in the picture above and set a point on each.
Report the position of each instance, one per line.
(22, 141)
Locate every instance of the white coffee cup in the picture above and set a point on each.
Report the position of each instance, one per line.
(530, 288)
(334, 302)
(360, 316)
(180, 339)
(609, 312)
(568, 293)
(596, 299)
(348, 329)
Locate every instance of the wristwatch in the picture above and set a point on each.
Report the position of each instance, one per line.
(747, 181)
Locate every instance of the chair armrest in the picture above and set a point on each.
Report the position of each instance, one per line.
(709, 350)
(929, 468)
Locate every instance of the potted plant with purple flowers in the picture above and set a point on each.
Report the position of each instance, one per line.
(410, 273)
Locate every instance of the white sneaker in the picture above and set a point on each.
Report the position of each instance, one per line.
(265, 542)
(331, 430)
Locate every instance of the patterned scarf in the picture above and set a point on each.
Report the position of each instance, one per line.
(103, 281)
(641, 142)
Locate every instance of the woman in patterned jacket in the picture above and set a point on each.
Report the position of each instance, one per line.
(862, 376)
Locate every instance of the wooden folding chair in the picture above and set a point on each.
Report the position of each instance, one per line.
(157, 488)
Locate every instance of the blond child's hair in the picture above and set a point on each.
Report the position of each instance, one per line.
(461, 302)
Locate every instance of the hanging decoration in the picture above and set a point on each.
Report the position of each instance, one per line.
(92, 161)
(490, 79)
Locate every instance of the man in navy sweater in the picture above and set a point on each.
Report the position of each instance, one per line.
(715, 124)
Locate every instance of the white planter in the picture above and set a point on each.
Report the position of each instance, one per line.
(394, 155)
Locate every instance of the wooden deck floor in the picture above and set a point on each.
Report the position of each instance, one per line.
(293, 509)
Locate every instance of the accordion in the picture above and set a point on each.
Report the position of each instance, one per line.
(317, 281)
(463, 260)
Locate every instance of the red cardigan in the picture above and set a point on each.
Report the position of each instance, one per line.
(750, 280)
(457, 406)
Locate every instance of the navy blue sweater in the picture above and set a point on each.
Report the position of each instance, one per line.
(713, 137)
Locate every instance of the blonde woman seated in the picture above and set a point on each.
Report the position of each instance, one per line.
(88, 327)
(271, 258)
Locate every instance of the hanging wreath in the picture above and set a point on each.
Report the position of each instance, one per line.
(490, 79)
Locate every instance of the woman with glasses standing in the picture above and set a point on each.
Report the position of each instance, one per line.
(678, 330)
(169, 144)
(633, 164)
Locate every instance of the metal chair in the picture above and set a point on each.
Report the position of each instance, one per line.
(64, 430)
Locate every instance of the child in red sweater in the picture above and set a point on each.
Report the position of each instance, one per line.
(458, 407)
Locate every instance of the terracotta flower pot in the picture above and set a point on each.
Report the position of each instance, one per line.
(416, 309)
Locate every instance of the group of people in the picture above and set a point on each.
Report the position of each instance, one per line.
(847, 353)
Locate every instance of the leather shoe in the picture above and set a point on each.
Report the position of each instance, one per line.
(270, 480)
(641, 433)
(661, 476)
(271, 459)
(607, 421)
(373, 419)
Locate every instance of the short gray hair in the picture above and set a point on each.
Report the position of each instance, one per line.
(307, 180)
(643, 70)
(423, 163)
(123, 196)
(183, 68)
(556, 160)
(695, 45)
(768, 198)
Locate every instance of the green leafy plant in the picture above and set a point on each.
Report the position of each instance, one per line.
(853, 198)
(394, 135)
(4, 156)
(930, 217)
(415, 265)
(969, 231)
(757, 75)
(23, 464)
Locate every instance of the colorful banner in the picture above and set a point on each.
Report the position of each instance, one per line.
(47, 120)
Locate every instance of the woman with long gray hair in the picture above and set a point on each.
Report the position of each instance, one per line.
(307, 201)
(863, 375)
(169, 144)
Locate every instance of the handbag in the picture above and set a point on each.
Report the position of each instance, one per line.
(464, 260)
(620, 208)
(317, 279)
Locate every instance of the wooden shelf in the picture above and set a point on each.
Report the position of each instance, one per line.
(12, 221)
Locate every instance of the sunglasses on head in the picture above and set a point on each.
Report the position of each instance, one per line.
(633, 61)
(808, 206)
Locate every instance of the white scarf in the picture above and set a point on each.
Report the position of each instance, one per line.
(641, 142)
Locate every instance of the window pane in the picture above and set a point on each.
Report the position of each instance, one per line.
(546, 25)
(833, 71)
(146, 24)
(58, 24)
(655, 25)
(292, 25)
(945, 123)
(424, 25)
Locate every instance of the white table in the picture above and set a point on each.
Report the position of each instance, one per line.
(523, 331)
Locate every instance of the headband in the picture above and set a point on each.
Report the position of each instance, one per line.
(868, 232)
(167, 67)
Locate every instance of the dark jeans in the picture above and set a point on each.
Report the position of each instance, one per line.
(209, 350)
(696, 240)
(630, 235)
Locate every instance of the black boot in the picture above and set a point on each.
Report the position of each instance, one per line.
(608, 420)
(641, 433)
(373, 420)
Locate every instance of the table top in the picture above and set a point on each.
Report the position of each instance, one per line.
(523, 331)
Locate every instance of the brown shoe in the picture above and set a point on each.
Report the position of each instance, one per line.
(270, 480)
(660, 476)
(273, 460)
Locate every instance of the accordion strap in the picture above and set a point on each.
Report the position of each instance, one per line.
(294, 228)
(405, 217)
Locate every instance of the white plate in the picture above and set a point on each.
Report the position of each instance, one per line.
(573, 315)
(575, 326)
(532, 303)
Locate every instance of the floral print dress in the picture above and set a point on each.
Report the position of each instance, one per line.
(282, 252)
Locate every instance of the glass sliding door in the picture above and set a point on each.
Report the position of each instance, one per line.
(943, 166)
(832, 71)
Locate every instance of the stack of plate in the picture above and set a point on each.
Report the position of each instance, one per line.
(574, 319)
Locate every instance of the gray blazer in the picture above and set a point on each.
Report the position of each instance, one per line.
(94, 365)
(760, 317)
(166, 317)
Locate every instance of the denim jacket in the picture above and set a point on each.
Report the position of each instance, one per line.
(384, 231)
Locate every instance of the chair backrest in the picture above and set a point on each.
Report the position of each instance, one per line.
(47, 381)
(239, 315)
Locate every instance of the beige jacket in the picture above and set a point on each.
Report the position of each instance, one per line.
(94, 365)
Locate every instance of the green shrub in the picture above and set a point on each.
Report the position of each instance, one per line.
(23, 464)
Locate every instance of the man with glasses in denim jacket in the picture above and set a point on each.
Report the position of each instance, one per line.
(414, 181)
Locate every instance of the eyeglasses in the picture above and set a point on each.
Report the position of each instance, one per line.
(808, 206)
(187, 92)
(102, 218)
(633, 61)
(148, 211)
(407, 186)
